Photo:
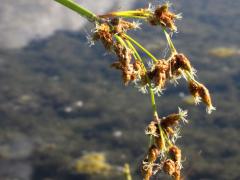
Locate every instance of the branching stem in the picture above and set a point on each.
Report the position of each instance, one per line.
(141, 47)
(153, 102)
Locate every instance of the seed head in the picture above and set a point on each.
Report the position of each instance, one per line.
(164, 17)
(169, 167)
(153, 153)
(169, 131)
(159, 73)
(180, 61)
(200, 92)
(147, 170)
(151, 129)
(175, 154)
(206, 98)
(170, 120)
(159, 143)
(194, 88)
(103, 33)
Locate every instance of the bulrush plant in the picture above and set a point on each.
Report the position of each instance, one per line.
(163, 155)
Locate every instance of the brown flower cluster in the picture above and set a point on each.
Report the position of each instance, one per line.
(162, 16)
(170, 69)
(131, 71)
(201, 93)
(106, 30)
(162, 154)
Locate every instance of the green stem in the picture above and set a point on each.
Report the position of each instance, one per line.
(79, 9)
(120, 40)
(153, 102)
(141, 47)
(125, 16)
(141, 14)
(170, 43)
(154, 106)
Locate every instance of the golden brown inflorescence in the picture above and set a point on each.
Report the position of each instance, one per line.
(201, 93)
(130, 70)
(111, 29)
(106, 30)
(163, 155)
(162, 16)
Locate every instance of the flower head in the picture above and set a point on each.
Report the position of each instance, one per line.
(162, 16)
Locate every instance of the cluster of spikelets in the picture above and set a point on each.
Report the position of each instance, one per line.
(162, 154)
(112, 32)
(111, 29)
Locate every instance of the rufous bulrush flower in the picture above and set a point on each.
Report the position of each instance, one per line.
(162, 16)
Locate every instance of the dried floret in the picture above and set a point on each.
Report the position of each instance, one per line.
(103, 33)
(162, 16)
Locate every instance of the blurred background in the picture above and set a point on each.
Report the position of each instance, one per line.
(65, 114)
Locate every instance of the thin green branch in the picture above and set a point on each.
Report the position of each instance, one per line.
(170, 43)
(124, 16)
(153, 102)
(141, 47)
(140, 14)
(79, 9)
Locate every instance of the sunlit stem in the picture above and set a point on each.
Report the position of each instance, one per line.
(141, 14)
(153, 102)
(125, 16)
(169, 41)
(79, 9)
(141, 47)
(120, 40)
(162, 136)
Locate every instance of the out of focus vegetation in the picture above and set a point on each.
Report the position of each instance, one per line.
(92, 163)
(224, 52)
(60, 99)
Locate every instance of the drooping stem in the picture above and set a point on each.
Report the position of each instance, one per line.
(79, 9)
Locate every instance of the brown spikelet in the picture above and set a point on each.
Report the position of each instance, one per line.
(103, 33)
(180, 61)
(147, 172)
(204, 94)
(159, 73)
(175, 154)
(177, 173)
(159, 143)
(153, 153)
(139, 69)
(170, 120)
(169, 131)
(169, 167)
(164, 17)
(193, 88)
(151, 128)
